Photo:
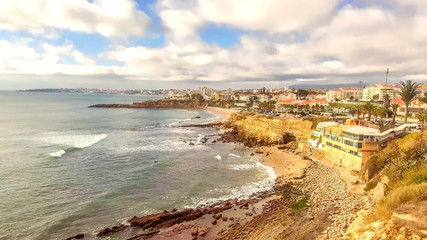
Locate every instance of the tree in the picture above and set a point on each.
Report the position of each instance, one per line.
(407, 92)
(376, 113)
(359, 110)
(382, 112)
(368, 108)
(351, 98)
(376, 97)
(394, 107)
(387, 101)
(422, 118)
(301, 93)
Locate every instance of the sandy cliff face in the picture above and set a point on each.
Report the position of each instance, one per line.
(270, 129)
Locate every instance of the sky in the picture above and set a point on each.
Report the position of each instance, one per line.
(151, 44)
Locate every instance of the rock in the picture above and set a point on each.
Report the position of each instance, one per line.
(108, 231)
(249, 214)
(224, 219)
(217, 216)
(214, 222)
(203, 232)
(191, 143)
(194, 232)
(214, 141)
(252, 154)
(78, 236)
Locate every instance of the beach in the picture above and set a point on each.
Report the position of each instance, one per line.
(223, 113)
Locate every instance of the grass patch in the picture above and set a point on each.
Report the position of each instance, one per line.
(300, 204)
(400, 196)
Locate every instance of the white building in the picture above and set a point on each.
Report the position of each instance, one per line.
(206, 92)
(381, 90)
(344, 93)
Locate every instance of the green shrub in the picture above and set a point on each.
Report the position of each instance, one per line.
(300, 204)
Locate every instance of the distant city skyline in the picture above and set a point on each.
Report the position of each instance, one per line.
(162, 44)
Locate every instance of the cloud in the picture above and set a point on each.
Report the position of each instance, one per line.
(268, 15)
(118, 18)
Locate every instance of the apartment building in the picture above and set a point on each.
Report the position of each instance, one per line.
(343, 94)
(381, 90)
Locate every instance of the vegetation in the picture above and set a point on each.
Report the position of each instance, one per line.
(300, 204)
(404, 162)
(407, 92)
(422, 118)
(368, 108)
(394, 108)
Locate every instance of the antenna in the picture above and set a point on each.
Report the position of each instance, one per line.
(386, 77)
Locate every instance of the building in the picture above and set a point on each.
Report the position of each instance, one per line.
(287, 95)
(381, 90)
(344, 93)
(351, 145)
(264, 98)
(206, 92)
(415, 106)
(422, 91)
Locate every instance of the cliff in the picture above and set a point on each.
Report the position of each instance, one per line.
(270, 130)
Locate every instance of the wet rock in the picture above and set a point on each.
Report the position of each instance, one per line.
(108, 231)
(214, 222)
(78, 236)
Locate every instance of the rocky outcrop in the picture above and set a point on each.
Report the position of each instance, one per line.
(164, 103)
(258, 129)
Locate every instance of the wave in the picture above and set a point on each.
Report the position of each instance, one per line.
(243, 167)
(73, 142)
(234, 155)
(241, 192)
(218, 157)
(178, 122)
(57, 154)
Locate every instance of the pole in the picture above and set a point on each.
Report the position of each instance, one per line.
(386, 77)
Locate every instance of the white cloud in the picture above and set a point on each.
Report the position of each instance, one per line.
(268, 15)
(118, 18)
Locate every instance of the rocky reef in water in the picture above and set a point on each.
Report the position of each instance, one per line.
(163, 103)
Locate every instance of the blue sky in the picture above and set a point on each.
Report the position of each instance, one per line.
(217, 43)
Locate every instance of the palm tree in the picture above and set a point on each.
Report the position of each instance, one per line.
(359, 110)
(422, 118)
(387, 101)
(368, 108)
(382, 113)
(394, 107)
(407, 92)
(376, 113)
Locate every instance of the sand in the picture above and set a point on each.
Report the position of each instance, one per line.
(286, 166)
(223, 113)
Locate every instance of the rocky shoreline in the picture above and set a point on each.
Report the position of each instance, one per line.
(312, 203)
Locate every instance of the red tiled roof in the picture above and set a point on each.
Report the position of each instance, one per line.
(288, 101)
(400, 102)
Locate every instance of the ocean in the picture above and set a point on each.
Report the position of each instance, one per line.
(67, 169)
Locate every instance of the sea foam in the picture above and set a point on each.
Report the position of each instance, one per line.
(73, 141)
(241, 192)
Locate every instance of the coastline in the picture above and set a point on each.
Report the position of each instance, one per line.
(263, 215)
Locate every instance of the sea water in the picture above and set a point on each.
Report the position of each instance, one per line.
(67, 169)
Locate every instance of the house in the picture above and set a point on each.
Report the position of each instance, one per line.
(414, 107)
